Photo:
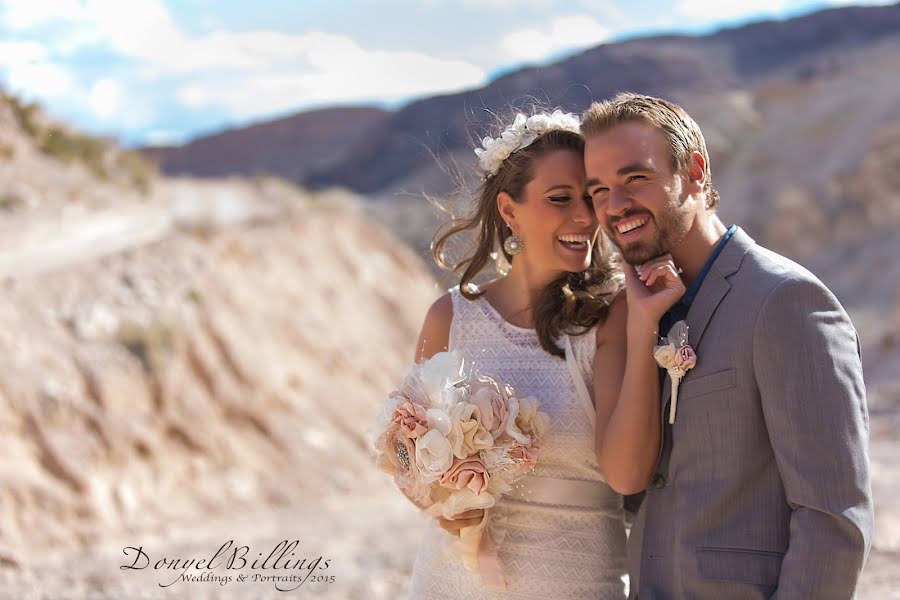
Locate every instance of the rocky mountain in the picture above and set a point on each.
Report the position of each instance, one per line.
(290, 147)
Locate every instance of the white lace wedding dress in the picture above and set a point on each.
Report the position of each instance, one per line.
(562, 534)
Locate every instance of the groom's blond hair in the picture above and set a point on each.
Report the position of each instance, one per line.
(682, 133)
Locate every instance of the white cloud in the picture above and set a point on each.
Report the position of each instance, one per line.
(21, 52)
(29, 71)
(19, 15)
(560, 33)
(40, 80)
(250, 73)
(106, 98)
(714, 10)
(333, 68)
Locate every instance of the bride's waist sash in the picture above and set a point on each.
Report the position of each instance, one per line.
(595, 495)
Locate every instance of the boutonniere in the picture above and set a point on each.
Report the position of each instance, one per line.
(677, 357)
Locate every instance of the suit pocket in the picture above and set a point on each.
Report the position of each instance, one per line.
(757, 567)
(714, 382)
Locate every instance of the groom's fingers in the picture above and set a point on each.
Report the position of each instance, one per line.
(660, 267)
(648, 267)
(663, 271)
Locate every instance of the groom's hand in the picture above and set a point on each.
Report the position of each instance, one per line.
(653, 288)
(470, 518)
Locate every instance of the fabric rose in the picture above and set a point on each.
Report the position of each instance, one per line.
(685, 359)
(495, 409)
(396, 456)
(388, 459)
(411, 418)
(530, 420)
(525, 455)
(467, 434)
(665, 356)
(467, 473)
(438, 419)
(433, 455)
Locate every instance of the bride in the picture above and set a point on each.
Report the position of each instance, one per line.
(554, 326)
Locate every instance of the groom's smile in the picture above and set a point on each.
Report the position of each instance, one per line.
(629, 228)
(631, 225)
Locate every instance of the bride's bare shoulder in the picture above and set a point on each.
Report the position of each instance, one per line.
(441, 310)
(435, 334)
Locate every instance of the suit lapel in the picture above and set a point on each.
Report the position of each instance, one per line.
(713, 289)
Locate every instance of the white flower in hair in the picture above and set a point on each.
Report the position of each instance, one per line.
(523, 131)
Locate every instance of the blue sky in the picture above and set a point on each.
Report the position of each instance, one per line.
(162, 71)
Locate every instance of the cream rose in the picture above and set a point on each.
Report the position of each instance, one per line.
(467, 434)
(530, 420)
(433, 455)
(495, 410)
(665, 356)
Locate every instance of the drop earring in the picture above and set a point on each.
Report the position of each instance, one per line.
(513, 245)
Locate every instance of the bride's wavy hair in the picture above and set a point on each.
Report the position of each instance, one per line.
(574, 302)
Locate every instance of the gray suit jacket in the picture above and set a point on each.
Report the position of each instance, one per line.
(762, 489)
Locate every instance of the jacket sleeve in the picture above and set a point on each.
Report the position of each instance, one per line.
(808, 369)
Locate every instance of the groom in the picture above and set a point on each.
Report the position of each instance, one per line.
(762, 485)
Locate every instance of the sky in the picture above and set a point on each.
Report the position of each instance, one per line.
(165, 71)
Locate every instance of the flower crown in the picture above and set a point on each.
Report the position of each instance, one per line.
(523, 131)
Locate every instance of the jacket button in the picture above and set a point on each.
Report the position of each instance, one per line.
(658, 481)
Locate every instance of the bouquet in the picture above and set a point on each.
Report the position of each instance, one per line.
(455, 442)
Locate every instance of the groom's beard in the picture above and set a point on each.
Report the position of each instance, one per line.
(668, 232)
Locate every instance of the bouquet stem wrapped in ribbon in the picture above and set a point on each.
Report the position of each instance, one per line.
(455, 442)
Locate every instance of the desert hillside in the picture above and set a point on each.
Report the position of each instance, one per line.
(186, 362)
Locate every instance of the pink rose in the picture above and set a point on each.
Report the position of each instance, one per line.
(525, 455)
(494, 408)
(467, 473)
(411, 419)
(685, 359)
